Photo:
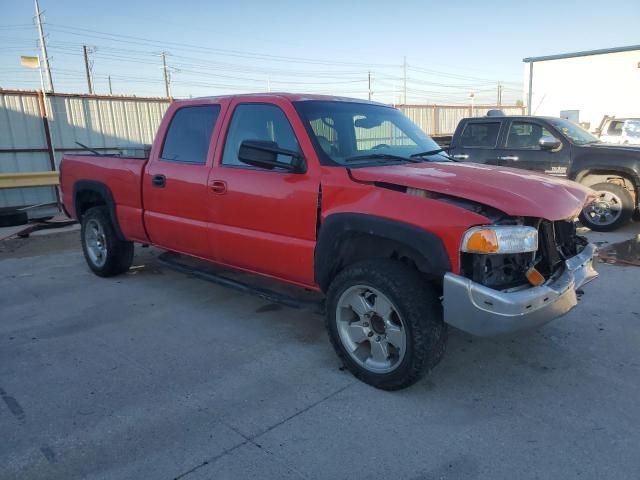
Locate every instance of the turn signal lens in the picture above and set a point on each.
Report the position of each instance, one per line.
(482, 241)
(535, 277)
(500, 239)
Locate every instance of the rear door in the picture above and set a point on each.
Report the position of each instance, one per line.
(176, 196)
(265, 220)
(477, 141)
(521, 148)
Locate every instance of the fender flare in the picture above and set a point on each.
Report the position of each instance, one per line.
(105, 192)
(585, 171)
(433, 260)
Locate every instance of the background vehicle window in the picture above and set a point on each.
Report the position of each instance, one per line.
(258, 122)
(189, 134)
(615, 128)
(480, 134)
(525, 135)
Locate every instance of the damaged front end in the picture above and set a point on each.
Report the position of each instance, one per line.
(504, 292)
(557, 242)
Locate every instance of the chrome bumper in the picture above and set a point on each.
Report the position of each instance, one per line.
(483, 311)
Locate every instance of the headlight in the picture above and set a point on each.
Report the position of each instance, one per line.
(500, 239)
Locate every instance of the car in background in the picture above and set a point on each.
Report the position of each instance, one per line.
(561, 148)
(625, 131)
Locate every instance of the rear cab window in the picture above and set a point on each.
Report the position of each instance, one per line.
(615, 128)
(189, 134)
(480, 134)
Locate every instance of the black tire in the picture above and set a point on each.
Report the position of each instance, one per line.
(119, 253)
(626, 203)
(12, 218)
(416, 302)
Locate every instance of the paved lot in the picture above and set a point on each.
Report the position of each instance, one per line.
(157, 375)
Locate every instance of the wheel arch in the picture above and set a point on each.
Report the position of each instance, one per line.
(594, 175)
(90, 193)
(347, 238)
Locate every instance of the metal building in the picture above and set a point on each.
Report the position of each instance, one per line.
(584, 86)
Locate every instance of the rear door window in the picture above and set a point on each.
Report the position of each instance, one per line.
(189, 134)
(480, 135)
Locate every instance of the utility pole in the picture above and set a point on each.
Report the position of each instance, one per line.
(166, 74)
(268, 84)
(405, 80)
(530, 96)
(43, 47)
(499, 103)
(87, 69)
(110, 89)
(369, 85)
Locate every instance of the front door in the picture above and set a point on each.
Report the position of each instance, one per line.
(265, 220)
(176, 196)
(522, 149)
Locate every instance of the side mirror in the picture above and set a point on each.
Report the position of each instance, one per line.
(266, 154)
(549, 143)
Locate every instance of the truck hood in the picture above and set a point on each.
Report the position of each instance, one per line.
(514, 192)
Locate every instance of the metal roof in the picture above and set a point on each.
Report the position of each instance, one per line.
(586, 53)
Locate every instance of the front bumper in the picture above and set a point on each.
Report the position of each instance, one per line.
(483, 311)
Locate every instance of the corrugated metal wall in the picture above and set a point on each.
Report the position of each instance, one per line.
(114, 123)
(443, 119)
(105, 123)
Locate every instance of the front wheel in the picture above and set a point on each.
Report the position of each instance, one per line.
(385, 323)
(104, 252)
(612, 208)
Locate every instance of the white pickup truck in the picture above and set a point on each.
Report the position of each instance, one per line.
(619, 130)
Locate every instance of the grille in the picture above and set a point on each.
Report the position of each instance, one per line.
(557, 241)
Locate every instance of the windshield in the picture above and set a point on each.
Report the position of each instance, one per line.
(573, 132)
(355, 134)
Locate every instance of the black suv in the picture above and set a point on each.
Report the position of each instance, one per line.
(558, 147)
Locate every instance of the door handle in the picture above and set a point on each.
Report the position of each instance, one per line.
(159, 181)
(460, 156)
(218, 186)
(509, 157)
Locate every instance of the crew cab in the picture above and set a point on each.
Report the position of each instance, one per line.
(558, 147)
(348, 198)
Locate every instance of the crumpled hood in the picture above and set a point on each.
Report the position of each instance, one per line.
(515, 192)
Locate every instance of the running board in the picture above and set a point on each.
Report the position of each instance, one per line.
(172, 261)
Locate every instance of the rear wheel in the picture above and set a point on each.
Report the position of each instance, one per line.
(104, 252)
(612, 208)
(385, 323)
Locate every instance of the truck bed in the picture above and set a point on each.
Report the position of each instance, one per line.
(121, 175)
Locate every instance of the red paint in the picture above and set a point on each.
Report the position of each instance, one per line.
(513, 191)
(265, 222)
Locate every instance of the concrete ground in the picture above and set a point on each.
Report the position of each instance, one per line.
(158, 375)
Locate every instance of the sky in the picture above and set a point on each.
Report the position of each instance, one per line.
(453, 49)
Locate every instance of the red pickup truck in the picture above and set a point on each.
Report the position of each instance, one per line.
(349, 198)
